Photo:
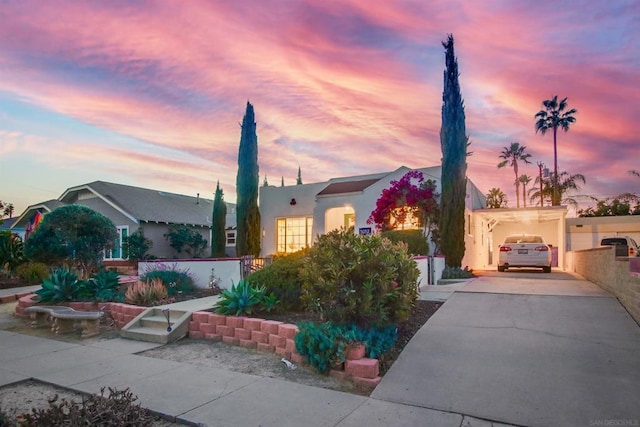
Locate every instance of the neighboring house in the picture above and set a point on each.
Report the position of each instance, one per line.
(294, 215)
(7, 224)
(130, 208)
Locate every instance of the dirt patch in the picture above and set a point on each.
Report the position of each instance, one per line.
(247, 361)
(20, 398)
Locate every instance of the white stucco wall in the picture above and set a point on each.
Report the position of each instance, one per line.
(226, 269)
(586, 233)
(275, 202)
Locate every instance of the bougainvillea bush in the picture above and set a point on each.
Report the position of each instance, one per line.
(410, 195)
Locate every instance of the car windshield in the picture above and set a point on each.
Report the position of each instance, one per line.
(524, 239)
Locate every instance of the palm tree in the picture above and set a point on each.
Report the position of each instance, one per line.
(9, 210)
(496, 199)
(553, 117)
(565, 182)
(511, 155)
(524, 180)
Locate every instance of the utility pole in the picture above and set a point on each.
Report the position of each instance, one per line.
(540, 166)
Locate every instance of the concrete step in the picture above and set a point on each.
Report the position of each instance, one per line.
(151, 326)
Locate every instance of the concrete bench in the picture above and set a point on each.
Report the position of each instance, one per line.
(63, 319)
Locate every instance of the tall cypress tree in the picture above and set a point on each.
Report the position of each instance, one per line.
(453, 141)
(247, 213)
(299, 180)
(218, 224)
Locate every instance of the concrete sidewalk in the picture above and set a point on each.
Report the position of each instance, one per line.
(197, 394)
(525, 352)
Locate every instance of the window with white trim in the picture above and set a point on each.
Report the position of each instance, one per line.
(231, 237)
(117, 252)
(293, 234)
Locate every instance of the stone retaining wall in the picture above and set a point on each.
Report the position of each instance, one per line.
(611, 273)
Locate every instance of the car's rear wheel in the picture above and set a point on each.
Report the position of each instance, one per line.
(501, 268)
(546, 269)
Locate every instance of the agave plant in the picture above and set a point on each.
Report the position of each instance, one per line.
(240, 299)
(62, 285)
(104, 286)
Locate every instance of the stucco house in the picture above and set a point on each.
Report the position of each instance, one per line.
(292, 216)
(130, 208)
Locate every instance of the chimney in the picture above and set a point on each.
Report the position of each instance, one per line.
(197, 198)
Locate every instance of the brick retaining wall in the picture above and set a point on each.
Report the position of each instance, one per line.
(611, 273)
(276, 337)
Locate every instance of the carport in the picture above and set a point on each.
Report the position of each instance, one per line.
(492, 226)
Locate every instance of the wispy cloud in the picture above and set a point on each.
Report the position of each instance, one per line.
(339, 87)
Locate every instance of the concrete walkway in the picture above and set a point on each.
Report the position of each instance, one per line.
(551, 351)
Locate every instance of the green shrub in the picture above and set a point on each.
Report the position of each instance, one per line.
(457, 273)
(11, 255)
(116, 409)
(323, 344)
(33, 272)
(175, 280)
(245, 299)
(366, 280)
(104, 286)
(146, 293)
(415, 239)
(377, 340)
(282, 278)
(62, 285)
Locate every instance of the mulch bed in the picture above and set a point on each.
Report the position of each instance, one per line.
(419, 315)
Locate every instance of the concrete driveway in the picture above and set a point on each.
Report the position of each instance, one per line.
(524, 348)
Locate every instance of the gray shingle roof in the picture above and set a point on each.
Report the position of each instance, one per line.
(151, 205)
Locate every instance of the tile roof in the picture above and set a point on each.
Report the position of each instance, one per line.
(347, 187)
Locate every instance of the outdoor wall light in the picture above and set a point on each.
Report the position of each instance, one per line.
(293, 202)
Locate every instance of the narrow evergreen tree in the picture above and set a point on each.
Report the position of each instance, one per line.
(265, 183)
(247, 213)
(453, 141)
(299, 180)
(218, 224)
(282, 182)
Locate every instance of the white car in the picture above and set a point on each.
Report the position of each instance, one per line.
(524, 250)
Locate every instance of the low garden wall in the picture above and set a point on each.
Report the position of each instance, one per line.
(277, 337)
(225, 269)
(269, 336)
(611, 273)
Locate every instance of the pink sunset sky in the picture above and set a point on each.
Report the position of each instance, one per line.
(150, 93)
